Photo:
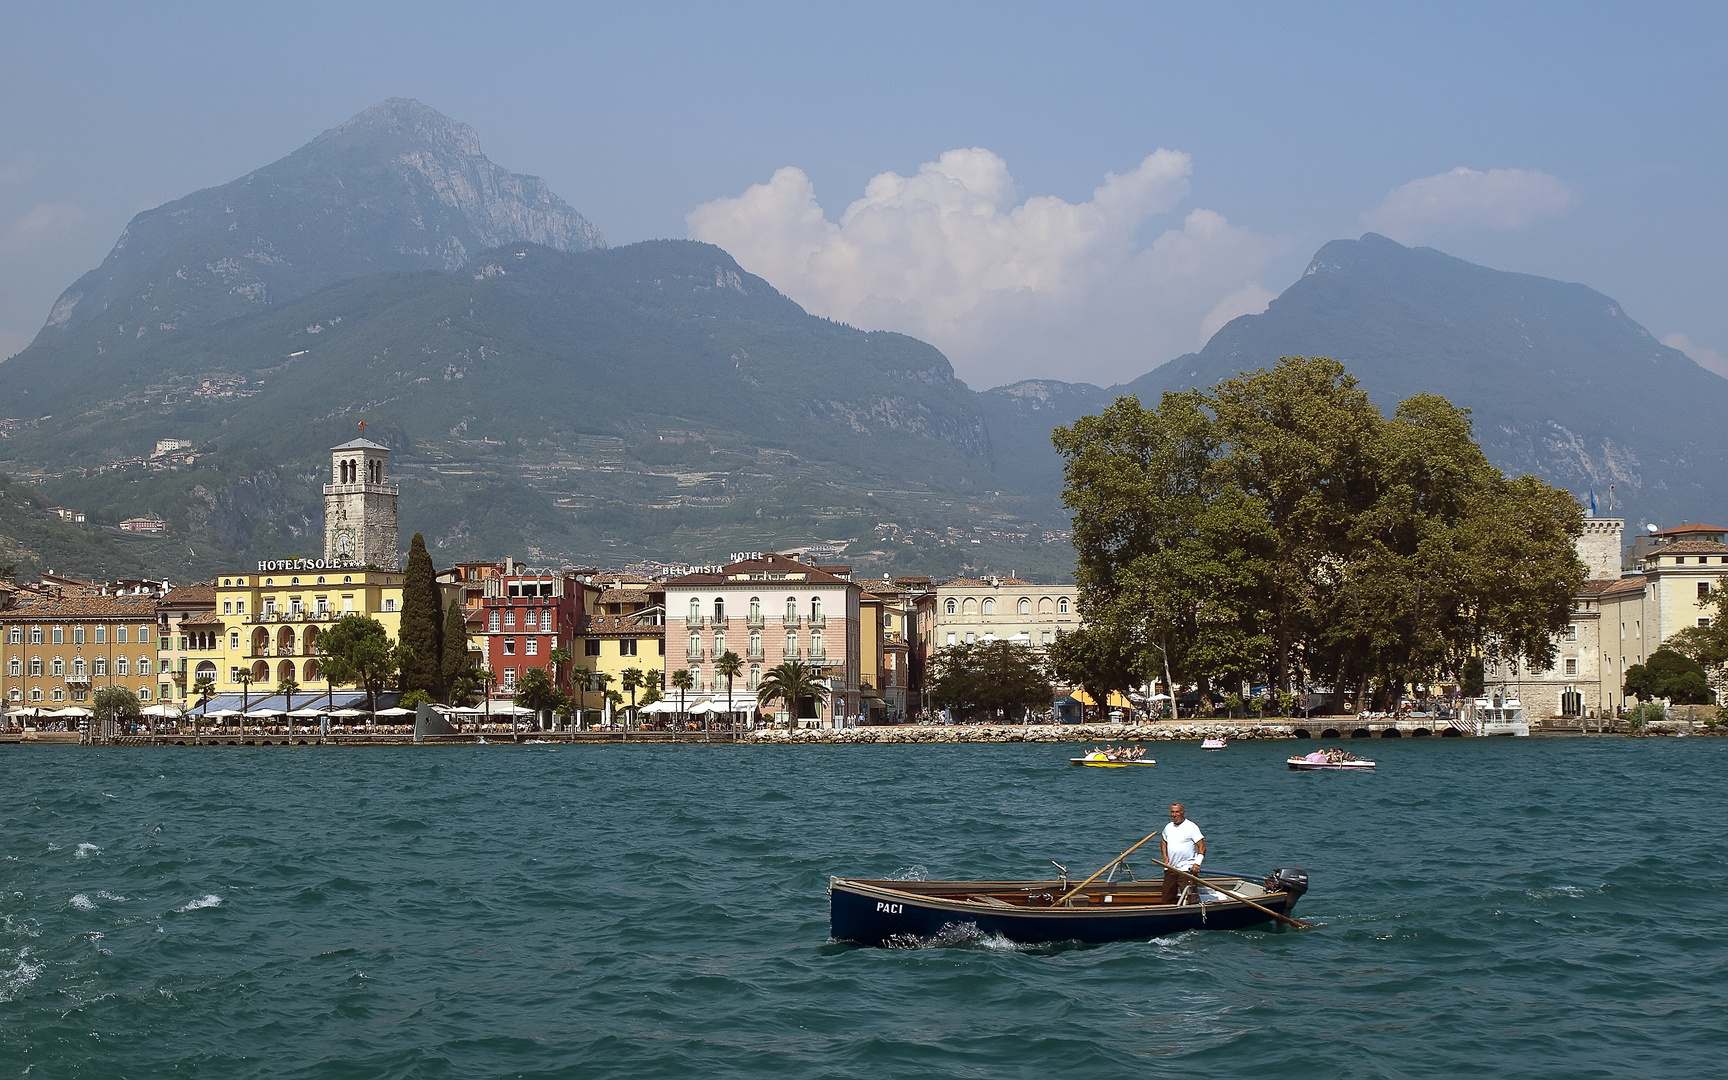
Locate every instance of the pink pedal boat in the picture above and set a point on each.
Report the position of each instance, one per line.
(1318, 761)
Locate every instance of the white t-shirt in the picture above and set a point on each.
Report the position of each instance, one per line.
(1180, 841)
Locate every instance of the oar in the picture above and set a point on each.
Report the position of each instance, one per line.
(1297, 923)
(1103, 868)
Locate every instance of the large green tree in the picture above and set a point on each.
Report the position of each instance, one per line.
(988, 676)
(453, 659)
(1669, 674)
(356, 651)
(420, 630)
(1280, 525)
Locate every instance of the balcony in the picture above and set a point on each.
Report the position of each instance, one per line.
(818, 656)
(716, 622)
(754, 622)
(753, 654)
(77, 680)
(696, 655)
(791, 622)
(817, 622)
(793, 652)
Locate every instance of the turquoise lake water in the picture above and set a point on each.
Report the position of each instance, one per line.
(1531, 908)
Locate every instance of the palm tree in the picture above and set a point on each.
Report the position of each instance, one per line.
(632, 678)
(288, 688)
(729, 664)
(791, 682)
(245, 681)
(559, 657)
(682, 681)
(580, 680)
(205, 688)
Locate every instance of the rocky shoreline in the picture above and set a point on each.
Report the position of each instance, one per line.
(1011, 733)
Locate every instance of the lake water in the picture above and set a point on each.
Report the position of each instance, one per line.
(1531, 908)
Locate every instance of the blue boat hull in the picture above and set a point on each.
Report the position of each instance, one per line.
(875, 913)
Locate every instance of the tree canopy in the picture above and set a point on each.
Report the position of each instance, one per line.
(988, 676)
(1281, 526)
(1668, 673)
(420, 628)
(356, 651)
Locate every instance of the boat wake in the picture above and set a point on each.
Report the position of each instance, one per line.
(207, 900)
(915, 872)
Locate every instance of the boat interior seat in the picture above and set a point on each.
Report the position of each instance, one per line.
(991, 900)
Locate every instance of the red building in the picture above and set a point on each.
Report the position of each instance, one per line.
(524, 616)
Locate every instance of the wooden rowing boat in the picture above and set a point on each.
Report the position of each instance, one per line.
(911, 913)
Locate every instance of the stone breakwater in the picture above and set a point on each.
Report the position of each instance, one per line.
(1006, 733)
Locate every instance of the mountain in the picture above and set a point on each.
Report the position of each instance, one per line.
(651, 400)
(398, 187)
(1560, 381)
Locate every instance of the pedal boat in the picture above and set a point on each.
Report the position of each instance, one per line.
(1301, 763)
(1099, 761)
(907, 914)
(1212, 744)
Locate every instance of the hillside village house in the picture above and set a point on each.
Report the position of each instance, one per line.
(768, 608)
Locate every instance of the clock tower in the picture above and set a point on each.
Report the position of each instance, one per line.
(360, 507)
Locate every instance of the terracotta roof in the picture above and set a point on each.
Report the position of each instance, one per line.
(982, 583)
(768, 564)
(1681, 530)
(602, 625)
(1610, 586)
(83, 606)
(1689, 547)
(191, 596)
(624, 596)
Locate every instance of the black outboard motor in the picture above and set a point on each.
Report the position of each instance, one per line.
(1289, 879)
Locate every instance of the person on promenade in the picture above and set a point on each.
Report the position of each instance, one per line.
(1183, 846)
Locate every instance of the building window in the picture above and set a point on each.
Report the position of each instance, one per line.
(696, 645)
(792, 609)
(119, 635)
(143, 634)
(227, 607)
(15, 635)
(1025, 605)
(239, 607)
(510, 619)
(35, 693)
(950, 636)
(35, 635)
(144, 665)
(719, 643)
(59, 635)
(791, 643)
(1704, 621)
(233, 639)
(509, 646)
(1703, 590)
(492, 622)
(546, 621)
(695, 610)
(57, 694)
(1062, 605)
(509, 679)
(390, 604)
(755, 676)
(1571, 666)
(719, 608)
(122, 666)
(57, 667)
(15, 667)
(755, 607)
(989, 606)
(101, 635)
(533, 646)
(1572, 632)
(591, 646)
(1049, 636)
(77, 635)
(951, 607)
(627, 646)
(143, 693)
(35, 667)
(99, 666)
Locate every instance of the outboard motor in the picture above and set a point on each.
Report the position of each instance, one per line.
(1289, 879)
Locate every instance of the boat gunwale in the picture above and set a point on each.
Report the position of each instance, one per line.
(877, 889)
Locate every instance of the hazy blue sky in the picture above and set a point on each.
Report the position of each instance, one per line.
(1593, 136)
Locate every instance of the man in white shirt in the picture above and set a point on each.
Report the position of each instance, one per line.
(1183, 846)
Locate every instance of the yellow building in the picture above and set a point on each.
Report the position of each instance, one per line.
(271, 622)
(626, 628)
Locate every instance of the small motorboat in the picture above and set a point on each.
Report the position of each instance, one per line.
(1212, 744)
(907, 914)
(1105, 761)
(1317, 761)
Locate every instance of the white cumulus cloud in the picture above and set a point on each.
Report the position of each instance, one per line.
(1495, 199)
(1707, 358)
(47, 221)
(1008, 290)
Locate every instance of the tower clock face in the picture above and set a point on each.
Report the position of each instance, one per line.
(345, 543)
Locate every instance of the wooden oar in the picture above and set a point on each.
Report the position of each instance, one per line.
(1101, 869)
(1297, 923)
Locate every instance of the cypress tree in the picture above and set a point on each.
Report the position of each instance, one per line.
(420, 618)
(455, 645)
